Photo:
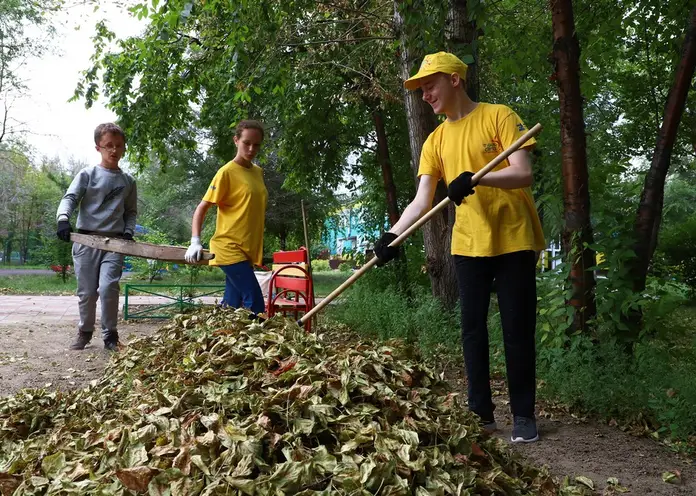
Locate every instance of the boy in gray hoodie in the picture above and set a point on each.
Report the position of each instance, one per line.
(106, 199)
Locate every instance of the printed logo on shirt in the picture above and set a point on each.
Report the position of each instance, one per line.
(113, 194)
(521, 127)
(212, 186)
(490, 147)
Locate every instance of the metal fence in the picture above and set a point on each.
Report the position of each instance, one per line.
(171, 299)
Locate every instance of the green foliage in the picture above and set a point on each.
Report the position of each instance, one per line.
(18, 18)
(675, 257)
(655, 382)
(346, 266)
(326, 282)
(554, 316)
(375, 305)
(320, 266)
(146, 268)
(54, 251)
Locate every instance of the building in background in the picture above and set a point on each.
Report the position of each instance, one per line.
(345, 230)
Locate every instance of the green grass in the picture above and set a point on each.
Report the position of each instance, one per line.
(37, 284)
(24, 266)
(325, 282)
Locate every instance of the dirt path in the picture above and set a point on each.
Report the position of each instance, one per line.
(570, 447)
(36, 355)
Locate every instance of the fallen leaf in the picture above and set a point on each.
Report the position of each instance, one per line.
(673, 477)
(9, 483)
(585, 481)
(136, 478)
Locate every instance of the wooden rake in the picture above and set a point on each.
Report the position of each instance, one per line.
(437, 208)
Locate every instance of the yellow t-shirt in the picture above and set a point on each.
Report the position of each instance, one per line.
(240, 195)
(492, 221)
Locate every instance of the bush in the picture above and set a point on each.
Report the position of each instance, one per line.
(320, 265)
(54, 252)
(346, 266)
(676, 254)
(654, 382)
(375, 306)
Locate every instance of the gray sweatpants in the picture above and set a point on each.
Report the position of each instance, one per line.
(98, 273)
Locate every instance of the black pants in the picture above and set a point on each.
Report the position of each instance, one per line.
(515, 277)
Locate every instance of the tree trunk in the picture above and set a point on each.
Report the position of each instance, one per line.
(577, 230)
(283, 236)
(386, 166)
(8, 248)
(649, 213)
(437, 233)
(461, 35)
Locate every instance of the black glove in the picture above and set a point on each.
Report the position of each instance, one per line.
(383, 251)
(64, 230)
(461, 187)
(128, 236)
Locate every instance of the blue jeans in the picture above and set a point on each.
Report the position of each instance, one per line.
(241, 287)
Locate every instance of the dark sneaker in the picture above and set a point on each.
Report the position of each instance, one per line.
(488, 425)
(82, 340)
(111, 342)
(524, 430)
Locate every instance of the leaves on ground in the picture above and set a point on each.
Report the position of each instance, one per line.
(214, 404)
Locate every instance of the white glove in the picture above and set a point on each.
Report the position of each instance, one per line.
(195, 251)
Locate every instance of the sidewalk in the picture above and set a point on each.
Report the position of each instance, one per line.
(62, 309)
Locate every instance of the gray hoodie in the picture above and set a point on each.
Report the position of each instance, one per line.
(107, 199)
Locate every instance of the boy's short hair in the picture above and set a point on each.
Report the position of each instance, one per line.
(249, 124)
(108, 127)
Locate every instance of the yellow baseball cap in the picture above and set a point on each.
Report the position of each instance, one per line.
(434, 63)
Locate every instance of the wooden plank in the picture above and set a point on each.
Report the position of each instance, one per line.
(165, 253)
(291, 270)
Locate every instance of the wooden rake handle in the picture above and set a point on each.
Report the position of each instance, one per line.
(437, 208)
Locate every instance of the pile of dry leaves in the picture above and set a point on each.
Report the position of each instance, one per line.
(215, 404)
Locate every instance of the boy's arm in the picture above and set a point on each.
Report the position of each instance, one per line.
(418, 207)
(131, 210)
(72, 197)
(518, 175)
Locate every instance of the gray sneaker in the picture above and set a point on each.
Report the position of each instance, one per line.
(524, 430)
(82, 340)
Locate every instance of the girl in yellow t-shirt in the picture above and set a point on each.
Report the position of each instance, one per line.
(495, 236)
(239, 192)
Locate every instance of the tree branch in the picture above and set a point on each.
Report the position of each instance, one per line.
(349, 40)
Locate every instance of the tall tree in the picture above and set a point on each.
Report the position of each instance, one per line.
(461, 34)
(577, 231)
(17, 17)
(652, 198)
(437, 233)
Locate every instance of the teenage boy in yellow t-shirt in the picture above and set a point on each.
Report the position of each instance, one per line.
(495, 236)
(239, 191)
